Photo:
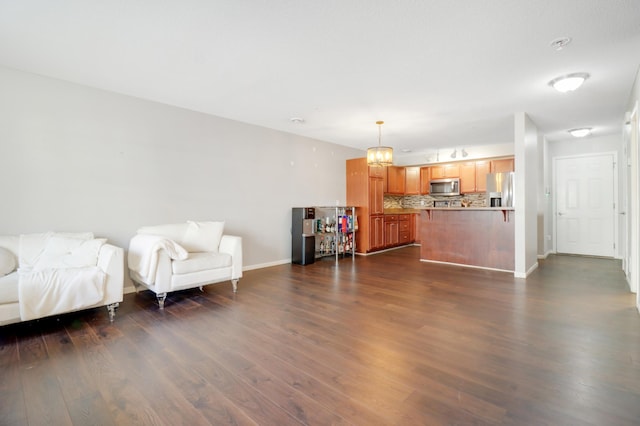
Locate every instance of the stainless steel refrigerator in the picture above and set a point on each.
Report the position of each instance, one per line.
(500, 189)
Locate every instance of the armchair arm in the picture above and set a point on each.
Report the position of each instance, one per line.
(232, 245)
(111, 261)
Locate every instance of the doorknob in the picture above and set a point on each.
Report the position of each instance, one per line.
(623, 213)
(560, 213)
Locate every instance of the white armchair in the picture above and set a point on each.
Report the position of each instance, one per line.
(167, 258)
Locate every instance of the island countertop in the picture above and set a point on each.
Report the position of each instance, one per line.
(474, 236)
(423, 208)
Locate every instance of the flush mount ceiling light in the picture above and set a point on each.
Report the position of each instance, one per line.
(580, 133)
(297, 120)
(569, 82)
(380, 155)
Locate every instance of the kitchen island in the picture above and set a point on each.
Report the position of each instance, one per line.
(475, 236)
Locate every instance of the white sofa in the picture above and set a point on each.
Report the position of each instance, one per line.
(54, 273)
(167, 258)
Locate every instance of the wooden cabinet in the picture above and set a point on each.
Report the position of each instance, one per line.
(377, 171)
(412, 181)
(425, 177)
(376, 196)
(445, 171)
(473, 176)
(376, 234)
(365, 192)
(391, 234)
(468, 177)
(482, 168)
(416, 228)
(395, 180)
(502, 165)
(404, 229)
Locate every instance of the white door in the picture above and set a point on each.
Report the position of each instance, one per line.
(585, 205)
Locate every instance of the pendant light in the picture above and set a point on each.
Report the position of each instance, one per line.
(380, 155)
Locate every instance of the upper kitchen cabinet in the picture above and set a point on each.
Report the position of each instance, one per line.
(412, 181)
(445, 171)
(502, 165)
(396, 180)
(482, 168)
(425, 177)
(377, 171)
(468, 177)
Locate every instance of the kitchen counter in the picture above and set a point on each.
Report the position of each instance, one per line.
(420, 209)
(401, 211)
(474, 236)
(467, 208)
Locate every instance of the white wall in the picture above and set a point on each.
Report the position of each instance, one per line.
(544, 198)
(526, 194)
(74, 158)
(633, 213)
(474, 152)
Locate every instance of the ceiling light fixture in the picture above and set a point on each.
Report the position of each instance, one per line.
(580, 133)
(569, 82)
(380, 155)
(297, 120)
(560, 43)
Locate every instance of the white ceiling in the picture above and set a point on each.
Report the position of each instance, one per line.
(440, 73)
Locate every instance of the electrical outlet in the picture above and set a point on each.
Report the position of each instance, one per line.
(422, 202)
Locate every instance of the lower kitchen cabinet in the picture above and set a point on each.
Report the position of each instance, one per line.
(404, 229)
(376, 232)
(391, 234)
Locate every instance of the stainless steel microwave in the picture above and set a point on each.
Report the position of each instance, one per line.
(449, 186)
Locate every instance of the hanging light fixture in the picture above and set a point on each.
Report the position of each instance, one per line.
(380, 155)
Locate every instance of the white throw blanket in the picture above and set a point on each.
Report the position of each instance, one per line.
(55, 291)
(143, 254)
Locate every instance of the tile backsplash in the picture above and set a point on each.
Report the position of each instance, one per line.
(415, 201)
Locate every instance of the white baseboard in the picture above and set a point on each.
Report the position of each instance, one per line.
(465, 266)
(544, 256)
(266, 265)
(526, 274)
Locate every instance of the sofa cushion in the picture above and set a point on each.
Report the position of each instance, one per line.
(201, 262)
(32, 245)
(12, 243)
(203, 236)
(8, 262)
(62, 252)
(9, 288)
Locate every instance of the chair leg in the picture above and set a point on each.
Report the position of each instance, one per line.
(112, 310)
(235, 285)
(161, 298)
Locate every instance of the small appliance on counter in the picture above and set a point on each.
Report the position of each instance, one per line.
(500, 189)
(447, 203)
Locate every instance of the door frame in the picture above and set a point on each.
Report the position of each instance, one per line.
(633, 204)
(554, 208)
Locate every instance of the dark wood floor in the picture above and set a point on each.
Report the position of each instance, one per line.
(383, 339)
